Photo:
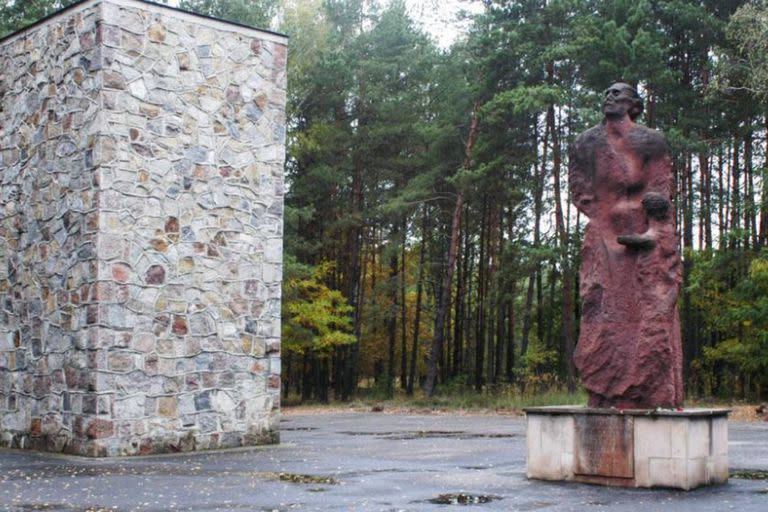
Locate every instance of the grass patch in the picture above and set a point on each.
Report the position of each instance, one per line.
(749, 474)
(459, 396)
(463, 499)
(497, 399)
(296, 478)
(714, 402)
(508, 398)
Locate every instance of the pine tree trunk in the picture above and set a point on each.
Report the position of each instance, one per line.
(722, 201)
(510, 349)
(353, 254)
(469, 272)
(337, 371)
(735, 196)
(458, 315)
(435, 353)
(511, 317)
(417, 314)
(501, 324)
(462, 311)
(568, 343)
(392, 323)
(501, 302)
(322, 381)
(704, 165)
(540, 304)
(480, 311)
(445, 354)
(306, 377)
(534, 276)
(403, 317)
(750, 229)
(554, 276)
(763, 239)
(489, 332)
(527, 316)
(703, 209)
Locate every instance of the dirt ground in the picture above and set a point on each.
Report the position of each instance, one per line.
(746, 413)
(739, 413)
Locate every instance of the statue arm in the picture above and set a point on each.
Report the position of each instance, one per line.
(580, 182)
(657, 201)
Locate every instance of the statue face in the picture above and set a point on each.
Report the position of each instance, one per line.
(619, 100)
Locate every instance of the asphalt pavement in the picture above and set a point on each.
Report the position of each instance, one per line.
(366, 462)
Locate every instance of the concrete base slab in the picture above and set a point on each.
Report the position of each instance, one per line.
(380, 461)
(631, 448)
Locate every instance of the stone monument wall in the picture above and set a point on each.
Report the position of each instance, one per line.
(141, 153)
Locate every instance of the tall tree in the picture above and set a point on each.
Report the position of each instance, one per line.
(257, 13)
(17, 14)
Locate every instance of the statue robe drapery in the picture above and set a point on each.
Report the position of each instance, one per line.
(629, 351)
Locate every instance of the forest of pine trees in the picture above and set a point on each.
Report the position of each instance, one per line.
(429, 238)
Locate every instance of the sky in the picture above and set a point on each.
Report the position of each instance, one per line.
(440, 18)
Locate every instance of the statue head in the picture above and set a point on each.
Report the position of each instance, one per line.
(621, 98)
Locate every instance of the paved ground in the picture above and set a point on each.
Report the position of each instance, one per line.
(359, 462)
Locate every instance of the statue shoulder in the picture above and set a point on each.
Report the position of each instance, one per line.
(590, 137)
(583, 148)
(649, 142)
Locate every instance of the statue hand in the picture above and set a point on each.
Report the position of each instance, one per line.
(644, 241)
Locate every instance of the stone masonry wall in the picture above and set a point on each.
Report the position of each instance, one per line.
(141, 232)
(49, 123)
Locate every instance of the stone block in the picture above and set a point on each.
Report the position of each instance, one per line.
(604, 445)
(634, 448)
(698, 430)
(99, 428)
(720, 437)
(668, 472)
(549, 446)
(167, 406)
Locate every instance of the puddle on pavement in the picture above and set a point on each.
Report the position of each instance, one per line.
(41, 506)
(374, 472)
(749, 474)
(58, 506)
(430, 434)
(463, 499)
(298, 478)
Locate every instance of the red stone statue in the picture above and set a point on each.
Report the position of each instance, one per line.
(629, 353)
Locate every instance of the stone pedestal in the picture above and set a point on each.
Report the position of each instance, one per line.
(141, 157)
(631, 448)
